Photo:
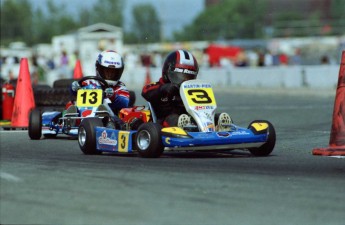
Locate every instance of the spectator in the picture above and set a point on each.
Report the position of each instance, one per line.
(241, 60)
(324, 59)
(64, 70)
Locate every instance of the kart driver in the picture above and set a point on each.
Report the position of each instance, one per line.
(109, 66)
(164, 96)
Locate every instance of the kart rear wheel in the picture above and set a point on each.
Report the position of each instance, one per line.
(148, 140)
(35, 124)
(268, 147)
(87, 135)
(132, 98)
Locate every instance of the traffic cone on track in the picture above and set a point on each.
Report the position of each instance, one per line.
(148, 77)
(77, 74)
(24, 100)
(337, 138)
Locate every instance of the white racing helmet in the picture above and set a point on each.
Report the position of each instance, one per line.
(110, 66)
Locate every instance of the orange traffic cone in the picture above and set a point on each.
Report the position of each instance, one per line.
(148, 77)
(337, 138)
(24, 97)
(77, 74)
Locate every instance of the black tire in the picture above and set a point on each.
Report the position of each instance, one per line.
(63, 83)
(132, 98)
(268, 147)
(87, 135)
(35, 124)
(148, 140)
(50, 135)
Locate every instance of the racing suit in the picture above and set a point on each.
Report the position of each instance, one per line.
(165, 100)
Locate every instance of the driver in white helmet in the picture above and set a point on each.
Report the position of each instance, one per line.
(109, 66)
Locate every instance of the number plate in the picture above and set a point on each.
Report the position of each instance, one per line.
(89, 98)
(123, 141)
(199, 96)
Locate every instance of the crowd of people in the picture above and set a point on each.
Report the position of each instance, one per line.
(65, 63)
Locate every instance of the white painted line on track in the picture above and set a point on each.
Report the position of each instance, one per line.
(9, 177)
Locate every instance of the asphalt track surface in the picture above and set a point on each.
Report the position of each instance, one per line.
(52, 182)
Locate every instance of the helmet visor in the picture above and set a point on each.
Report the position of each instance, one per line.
(111, 73)
(178, 77)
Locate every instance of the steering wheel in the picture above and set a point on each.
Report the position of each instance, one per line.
(101, 81)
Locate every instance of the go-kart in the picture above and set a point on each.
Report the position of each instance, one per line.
(90, 102)
(145, 136)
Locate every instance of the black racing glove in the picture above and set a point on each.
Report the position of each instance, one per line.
(169, 90)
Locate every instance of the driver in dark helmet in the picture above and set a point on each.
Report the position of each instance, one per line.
(109, 66)
(164, 96)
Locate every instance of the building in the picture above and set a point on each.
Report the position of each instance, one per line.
(86, 43)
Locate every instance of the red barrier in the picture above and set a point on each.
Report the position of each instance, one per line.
(7, 101)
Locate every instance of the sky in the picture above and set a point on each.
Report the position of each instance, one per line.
(174, 13)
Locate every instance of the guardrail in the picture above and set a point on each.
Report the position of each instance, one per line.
(313, 77)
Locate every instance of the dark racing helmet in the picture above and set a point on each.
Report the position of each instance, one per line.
(110, 66)
(179, 66)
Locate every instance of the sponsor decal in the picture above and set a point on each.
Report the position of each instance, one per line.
(167, 140)
(192, 86)
(197, 86)
(240, 133)
(223, 134)
(199, 107)
(112, 63)
(179, 70)
(105, 140)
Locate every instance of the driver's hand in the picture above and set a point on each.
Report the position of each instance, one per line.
(169, 89)
(75, 86)
(109, 92)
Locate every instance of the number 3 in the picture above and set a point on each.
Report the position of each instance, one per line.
(200, 96)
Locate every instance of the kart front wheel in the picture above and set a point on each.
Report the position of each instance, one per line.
(87, 135)
(35, 124)
(148, 140)
(268, 147)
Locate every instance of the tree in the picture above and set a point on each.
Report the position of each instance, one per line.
(227, 20)
(108, 11)
(55, 21)
(146, 25)
(338, 16)
(16, 22)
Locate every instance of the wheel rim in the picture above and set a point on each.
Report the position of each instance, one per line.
(143, 140)
(82, 136)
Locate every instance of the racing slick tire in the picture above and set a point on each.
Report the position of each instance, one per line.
(35, 124)
(148, 141)
(132, 98)
(87, 135)
(268, 147)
